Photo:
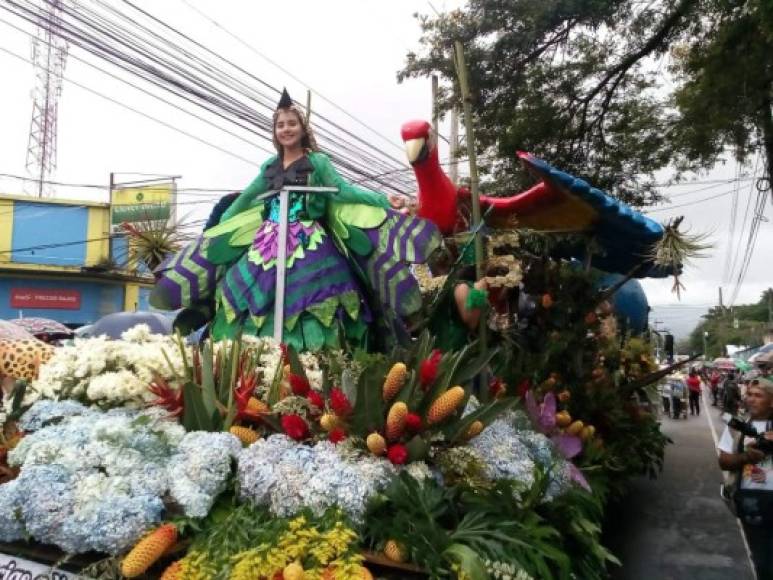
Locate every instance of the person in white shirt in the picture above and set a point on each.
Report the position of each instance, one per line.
(755, 469)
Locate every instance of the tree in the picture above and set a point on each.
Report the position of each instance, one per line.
(580, 83)
(720, 324)
(726, 71)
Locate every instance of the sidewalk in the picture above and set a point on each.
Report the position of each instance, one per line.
(677, 526)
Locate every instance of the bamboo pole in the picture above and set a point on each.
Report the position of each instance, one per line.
(461, 72)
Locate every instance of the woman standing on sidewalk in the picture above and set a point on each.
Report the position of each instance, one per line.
(694, 384)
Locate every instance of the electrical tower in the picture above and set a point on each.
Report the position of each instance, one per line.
(49, 54)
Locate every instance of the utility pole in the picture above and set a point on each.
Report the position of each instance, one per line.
(721, 306)
(655, 324)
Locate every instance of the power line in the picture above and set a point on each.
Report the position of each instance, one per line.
(731, 231)
(705, 199)
(179, 76)
(138, 112)
(291, 75)
(744, 223)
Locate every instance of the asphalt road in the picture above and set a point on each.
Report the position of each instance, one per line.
(677, 526)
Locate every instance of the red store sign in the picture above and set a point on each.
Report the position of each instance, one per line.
(45, 298)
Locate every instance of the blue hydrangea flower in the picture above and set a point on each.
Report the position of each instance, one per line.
(45, 412)
(288, 477)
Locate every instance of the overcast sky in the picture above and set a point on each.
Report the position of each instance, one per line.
(348, 51)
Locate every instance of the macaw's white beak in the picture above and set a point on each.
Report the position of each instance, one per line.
(416, 149)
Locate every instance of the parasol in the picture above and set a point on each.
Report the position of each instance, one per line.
(113, 325)
(724, 364)
(37, 326)
(10, 331)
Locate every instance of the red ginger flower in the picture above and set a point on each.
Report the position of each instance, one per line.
(523, 388)
(413, 422)
(337, 435)
(397, 454)
(168, 398)
(316, 399)
(299, 385)
(339, 402)
(295, 427)
(428, 369)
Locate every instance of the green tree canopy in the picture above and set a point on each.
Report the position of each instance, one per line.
(582, 84)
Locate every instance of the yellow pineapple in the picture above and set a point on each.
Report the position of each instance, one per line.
(563, 418)
(376, 444)
(395, 424)
(293, 571)
(575, 428)
(148, 550)
(256, 406)
(395, 551)
(328, 421)
(587, 432)
(394, 381)
(445, 405)
(172, 571)
(474, 430)
(246, 435)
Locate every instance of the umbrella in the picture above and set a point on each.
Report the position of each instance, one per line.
(10, 331)
(113, 325)
(725, 364)
(742, 365)
(38, 326)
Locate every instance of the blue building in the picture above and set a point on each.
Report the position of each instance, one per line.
(59, 260)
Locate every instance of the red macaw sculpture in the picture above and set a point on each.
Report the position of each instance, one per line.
(544, 207)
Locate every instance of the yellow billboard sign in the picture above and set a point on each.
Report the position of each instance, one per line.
(143, 203)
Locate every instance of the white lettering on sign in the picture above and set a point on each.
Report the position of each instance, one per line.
(13, 568)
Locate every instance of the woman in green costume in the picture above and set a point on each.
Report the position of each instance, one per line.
(347, 253)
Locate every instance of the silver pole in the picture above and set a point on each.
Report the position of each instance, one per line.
(281, 253)
(281, 266)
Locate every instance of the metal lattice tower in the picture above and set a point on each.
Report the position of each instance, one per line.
(49, 54)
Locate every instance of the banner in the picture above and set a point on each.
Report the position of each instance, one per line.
(13, 568)
(53, 298)
(142, 204)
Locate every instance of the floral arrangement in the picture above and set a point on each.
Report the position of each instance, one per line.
(246, 541)
(287, 477)
(95, 480)
(109, 373)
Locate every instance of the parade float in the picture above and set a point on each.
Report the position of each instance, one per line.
(327, 427)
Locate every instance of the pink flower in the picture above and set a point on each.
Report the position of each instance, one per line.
(339, 403)
(299, 385)
(413, 422)
(397, 454)
(428, 369)
(295, 427)
(337, 435)
(316, 399)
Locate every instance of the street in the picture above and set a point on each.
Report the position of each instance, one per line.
(678, 526)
